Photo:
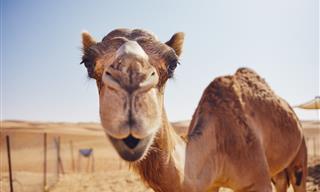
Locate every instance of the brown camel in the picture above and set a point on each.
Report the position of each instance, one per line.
(240, 136)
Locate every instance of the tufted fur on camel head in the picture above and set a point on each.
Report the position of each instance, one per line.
(131, 68)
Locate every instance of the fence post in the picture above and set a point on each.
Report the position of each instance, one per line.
(56, 141)
(88, 163)
(60, 165)
(9, 161)
(72, 157)
(79, 162)
(44, 161)
(93, 163)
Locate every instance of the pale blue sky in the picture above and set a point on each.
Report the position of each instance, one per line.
(41, 78)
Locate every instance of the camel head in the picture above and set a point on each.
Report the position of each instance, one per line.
(131, 68)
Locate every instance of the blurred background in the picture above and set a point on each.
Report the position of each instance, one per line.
(50, 136)
(41, 78)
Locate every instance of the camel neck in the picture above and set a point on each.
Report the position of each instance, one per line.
(162, 168)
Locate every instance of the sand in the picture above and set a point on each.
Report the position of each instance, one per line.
(105, 172)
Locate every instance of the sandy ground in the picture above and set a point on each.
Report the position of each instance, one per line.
(116, 181)
(104, 172)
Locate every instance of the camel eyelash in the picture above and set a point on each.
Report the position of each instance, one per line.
(172, 65)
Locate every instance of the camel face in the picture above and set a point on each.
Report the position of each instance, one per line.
(131, 68)
(130, 102)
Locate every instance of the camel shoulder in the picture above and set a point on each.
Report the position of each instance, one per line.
(220, 113)
(220, 100)
(215, 94)
(221, 91)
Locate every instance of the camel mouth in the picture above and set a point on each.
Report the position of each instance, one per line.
(131, 141)
(130, 148)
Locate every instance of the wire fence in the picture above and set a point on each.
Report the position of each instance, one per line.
(33, 162)
(39, 159)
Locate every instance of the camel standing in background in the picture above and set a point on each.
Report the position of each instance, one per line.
(240, 136)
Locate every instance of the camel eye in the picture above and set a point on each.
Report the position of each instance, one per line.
(153, 73)
(171, 67)
(89, 65)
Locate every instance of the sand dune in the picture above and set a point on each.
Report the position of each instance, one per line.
(107, 173)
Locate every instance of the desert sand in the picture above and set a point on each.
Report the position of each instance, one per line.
(103, 171)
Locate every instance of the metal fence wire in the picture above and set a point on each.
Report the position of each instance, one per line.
(34, 162)
(39, 159)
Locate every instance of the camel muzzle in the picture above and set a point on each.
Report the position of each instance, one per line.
(131, 148)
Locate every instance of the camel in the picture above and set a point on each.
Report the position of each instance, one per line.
(240, 136)
(295, 174)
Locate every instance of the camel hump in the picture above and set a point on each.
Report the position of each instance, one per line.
(221, 108)
(245, 70)
(254, 86)
(222, 92)
(222, 96)
(248, 74)
(222, 88)
(222, 82)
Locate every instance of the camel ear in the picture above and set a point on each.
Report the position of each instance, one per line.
(87, 41)
(88, 56)
(176, 42)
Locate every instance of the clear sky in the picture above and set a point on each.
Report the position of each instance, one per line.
(41, 78)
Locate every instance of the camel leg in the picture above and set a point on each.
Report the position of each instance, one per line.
(295, 174)
(298, 169)
(281, 181)
(256, 180)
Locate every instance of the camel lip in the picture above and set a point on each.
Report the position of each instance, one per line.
(131, 141)
(130, 148)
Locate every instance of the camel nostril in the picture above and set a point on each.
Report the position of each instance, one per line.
(108, 73)
(131, 142)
